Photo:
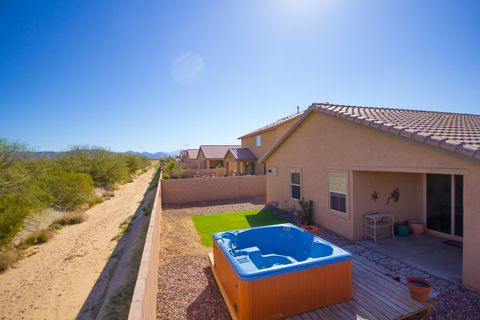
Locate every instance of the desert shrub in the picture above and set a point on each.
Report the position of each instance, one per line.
(135, 163)
(65, 190)
(29, 182)
(165, 175)
(55, 226)
(71, 218)
(106, 168)
(13, 211)
(170, 165)
(17, 193)
(95, 200)
(7, 258)
(38, 237)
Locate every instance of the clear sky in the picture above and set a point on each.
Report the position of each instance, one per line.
(161, 75)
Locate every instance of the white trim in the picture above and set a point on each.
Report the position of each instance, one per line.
(439, 234)
(299, 171)
(343, 173)
(452, 204)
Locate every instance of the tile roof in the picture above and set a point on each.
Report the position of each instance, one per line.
(273, 124)
(454, 132)
(217, 152)
(192, 153)
(242, 154)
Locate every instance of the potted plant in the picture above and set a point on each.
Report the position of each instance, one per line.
(419, 288)
(402, 229)
(306, 212)
(417, 226)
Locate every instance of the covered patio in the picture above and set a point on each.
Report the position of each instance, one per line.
(432, 197)
(240, 162)
(440, 257)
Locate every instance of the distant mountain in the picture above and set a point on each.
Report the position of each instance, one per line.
(150, 155)
(155, 155)
(44, 154)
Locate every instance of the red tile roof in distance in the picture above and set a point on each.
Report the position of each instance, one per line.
(217, 152)
(273, 124)
(454, 132)
(192, 153)
(242, 154)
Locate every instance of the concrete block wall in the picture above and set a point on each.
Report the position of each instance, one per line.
(178, 191)
(144, 300)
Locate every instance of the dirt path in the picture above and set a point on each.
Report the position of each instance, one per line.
(53, 283)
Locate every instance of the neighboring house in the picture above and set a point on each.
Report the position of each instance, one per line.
(339, 156)
(261, 140)
(189, 158)
(211, 156)
(240, 161)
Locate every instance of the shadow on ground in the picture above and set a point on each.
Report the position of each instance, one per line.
(251, 200)
(112, 293)
(209, 304)
(266, 216)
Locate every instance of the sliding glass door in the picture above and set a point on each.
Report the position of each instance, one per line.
(445, 204)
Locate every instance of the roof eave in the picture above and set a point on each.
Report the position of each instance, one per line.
(459, 150)
(284, 137)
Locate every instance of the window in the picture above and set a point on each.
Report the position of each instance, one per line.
(337, 188)
(295, 184)
(259, 140)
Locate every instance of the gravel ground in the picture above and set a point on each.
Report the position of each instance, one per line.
(189, 291)
(187, 286)
(456, 304)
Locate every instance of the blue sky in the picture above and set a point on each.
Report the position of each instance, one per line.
(161, 75)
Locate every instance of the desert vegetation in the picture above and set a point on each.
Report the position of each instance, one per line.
(64, 182)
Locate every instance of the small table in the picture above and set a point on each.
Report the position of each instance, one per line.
(379, 224)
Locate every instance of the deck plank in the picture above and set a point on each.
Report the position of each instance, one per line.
(374, 296)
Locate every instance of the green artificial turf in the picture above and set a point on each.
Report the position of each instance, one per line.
(207, 225)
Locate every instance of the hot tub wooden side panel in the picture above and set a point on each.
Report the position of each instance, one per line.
(296, 292)
(227, 275)
(280, 296)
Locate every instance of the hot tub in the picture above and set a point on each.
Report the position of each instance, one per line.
(275, 271)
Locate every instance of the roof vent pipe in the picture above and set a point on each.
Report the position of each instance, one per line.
(298, 109)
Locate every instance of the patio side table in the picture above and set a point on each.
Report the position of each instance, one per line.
(379, 224)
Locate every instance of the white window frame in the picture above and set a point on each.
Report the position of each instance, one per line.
(345, 175)
(294, 184)
(258, 140)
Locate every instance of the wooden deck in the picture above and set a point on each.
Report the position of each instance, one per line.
(375, 296)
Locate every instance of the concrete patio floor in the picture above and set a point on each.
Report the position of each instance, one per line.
(425, 252)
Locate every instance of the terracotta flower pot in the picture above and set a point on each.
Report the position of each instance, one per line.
(418, 228)
(312, 229)
(419, 288)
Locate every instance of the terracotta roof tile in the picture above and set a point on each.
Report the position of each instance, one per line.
(242, 154)
(192, 153)
(217, 152)
(459, 133)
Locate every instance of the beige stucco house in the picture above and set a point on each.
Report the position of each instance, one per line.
(339, 156)
(212, 156)
(189, 158)
(240, 161)
(261, 140)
